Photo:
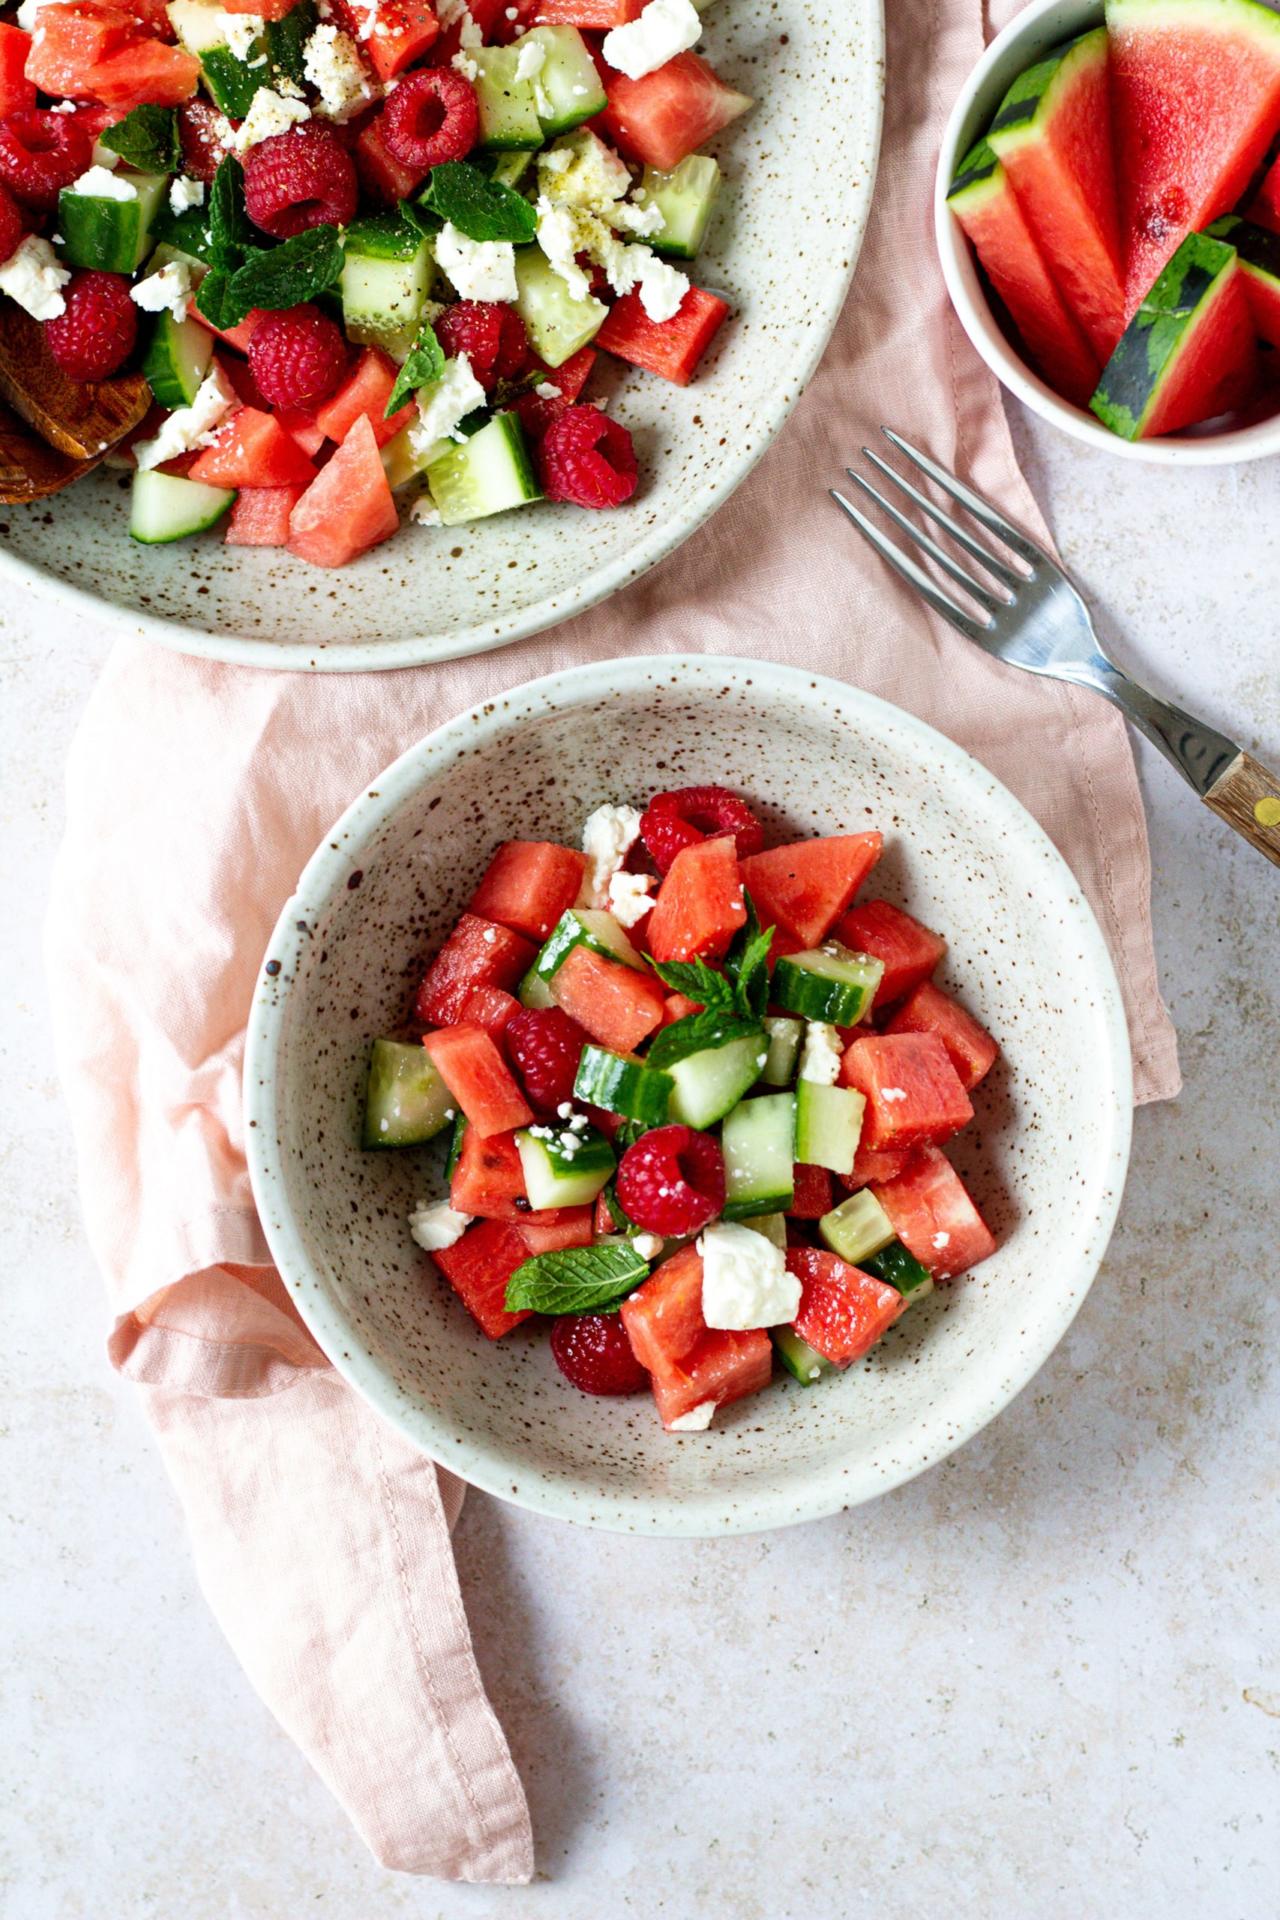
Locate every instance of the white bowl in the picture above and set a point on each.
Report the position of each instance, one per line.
(815, 68)
(1031, 34)
(1046, 1156)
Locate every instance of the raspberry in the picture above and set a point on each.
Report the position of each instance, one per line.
(686, 815)
(593, 1352)
(432, 116)
(300, 179)
(587, 459)
(545, 1045)
(42, 152)
(492, 337)
(12, 225)
(95, 335)
(671, 1181)
(297, 357)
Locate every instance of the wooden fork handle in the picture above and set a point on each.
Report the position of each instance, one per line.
(1247, 797)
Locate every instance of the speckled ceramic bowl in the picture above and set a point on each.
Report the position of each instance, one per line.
(815, 68)
(1046, 1156)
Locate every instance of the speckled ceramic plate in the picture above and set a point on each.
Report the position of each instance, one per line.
(1046, 1156)
(782, 248)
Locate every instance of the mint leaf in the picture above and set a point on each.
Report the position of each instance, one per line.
(146, 139)
(696, 980)
(482, 209)
(698, 1032)
(418, 217)
(424, 365)
(284, 276)
(229, 229)
(578, 1280)
(747, 960)
(216, 300)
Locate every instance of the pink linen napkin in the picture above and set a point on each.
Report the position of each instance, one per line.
(195, 795)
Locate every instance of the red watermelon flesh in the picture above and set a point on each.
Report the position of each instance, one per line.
(1216, 370)
(873, 1164)
(934, 1218)
(843, 1311)
(478, 1268)
(618, 1005)
(690, 1363)
(806, 887)
(971, 1049)
(811, 1195)
(700, 904)
(908, 950)
(488, 1177)
(478, 953)
(555, 1228)
(260, 516)
(348, 507)
(661, 119)
(1195, 90)
(477, 1076)
(1052, 134)
(914, 1095)
(528, 884)
(487, 1007)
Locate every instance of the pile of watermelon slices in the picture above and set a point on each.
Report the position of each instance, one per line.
(1124, 205)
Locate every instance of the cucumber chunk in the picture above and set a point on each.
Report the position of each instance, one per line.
(857, 1228)
(231, 82)
(803, 1362)
(166, 507)
(402, 461)
(784, 1037)
(508, 169)
(564, 1168)
(406, 1101)
(828, 1125)
(831, 983)
(387, 274)
(558, 322)
(584, 927)
(487, 474)
(197, 24)
(684, 197)
(758, 1141)
(773, 1226)
(710, 1083)
(508, 107)
(567, 88)
(900, 1269)
(622, 1085)
(534, 991)
(177, 359)
(110, 235)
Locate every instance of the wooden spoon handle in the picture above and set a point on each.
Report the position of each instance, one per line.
(29, 469)
(1247, 797)
(81, 418)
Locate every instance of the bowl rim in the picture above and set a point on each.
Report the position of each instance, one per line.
(663, 537)
(953, 1420)
(977, 100)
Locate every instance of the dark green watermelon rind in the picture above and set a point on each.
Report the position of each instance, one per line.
(1258, 247)
(1031, 97)
(978, 174)
(1159, 333)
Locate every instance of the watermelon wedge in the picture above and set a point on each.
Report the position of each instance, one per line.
(934, 1217)
(17, 93)
(908, 951)
(253, 450)
(479, 1079)
(1195, 93)
(348, 507)
(1258, 251)
(1052, 134)
(478, 953)
(366, 390)
(988, 211)
(843, 1311)
(528, 884)
(488, 1177)
(1188, 353)
(478, 1268)
(700, 905)
(804, 888)
(260, 516)
(661, 119)
(970, 1048)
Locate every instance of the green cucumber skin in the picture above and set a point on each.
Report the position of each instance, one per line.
(164, 507)
(784, 1037)
(512, 482)
(1150, 345)
(553, 1178)
(709, 1084)
(621, 1086)
(534, 991)
(821, 996)
(404, 1091)
(900, 1269)
(173, 343)
(803, 1362)
(685, 198)
(572, 930)
(567, 63)
(508, 107)
(109, 236)
(558, 323)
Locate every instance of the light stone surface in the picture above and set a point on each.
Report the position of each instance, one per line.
(1043, 1679)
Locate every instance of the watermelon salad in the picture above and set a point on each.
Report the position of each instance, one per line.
(1124, 205)
(365, 253)
(695, 1099)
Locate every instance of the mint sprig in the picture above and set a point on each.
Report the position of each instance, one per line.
(284, 276)
(146, 139)
(229, 229)
(696, 981)
(424, 365)
(747, 961)
(742, 989)
(576, 1280)
(697, 1032)
(482, 209)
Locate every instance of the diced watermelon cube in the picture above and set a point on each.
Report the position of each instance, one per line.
(259, 516)
(570, 377)
(663, 1317)
(722, 1367)
(596, 16)
(690, 1363)
(383, 177)
(871, 1164)
(914, 1095)
(366, 390)
(602, 1220)
(269, 10)
(843, 1311)
(700, 905)
(558, 1227)
(804, 888)
(302, 428)
(479, 1079)
(528, 884)
(143, 73)
(478, 953)
(672, 347)
(678, 1006)
(478, 1268)
(972, 1051)
(17, 93)
(252, 449)
(812, 1195)
(72, 40)
(661, 119)
(617, 1005)
(909, 951)
(488, 1007)
(934, 1217)
(488, 1178)
(402, 32)
(348, 507)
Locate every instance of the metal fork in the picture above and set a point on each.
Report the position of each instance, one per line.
(1036, 619)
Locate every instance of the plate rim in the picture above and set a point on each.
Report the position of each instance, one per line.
(650, 1515)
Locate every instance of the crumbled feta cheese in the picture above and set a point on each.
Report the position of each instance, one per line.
(941, 1240)
(100, 184)
(463, 63)
(629, 898)
(531, 60)
(890, 1094)
(664, 29)
(469, 34)
(662, 286)
(548, 390)
(695, 1421)
(555, 160)
(34, 277)
(477, 269)
(558, 238)
(191, 426)
(27, 15)
(438, 1226)
(335, 69)
(168, 290)
(607, 838)
(642, 221)
(583, 172)
(239, 31)
(367, 12)
(648, 1245)
(745, 1282)
(184, 193)
(269, 113)
(820, 1060)
(565, 1110)
(511, 13)
(424, 512)
(444, 403)
(64, 106)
